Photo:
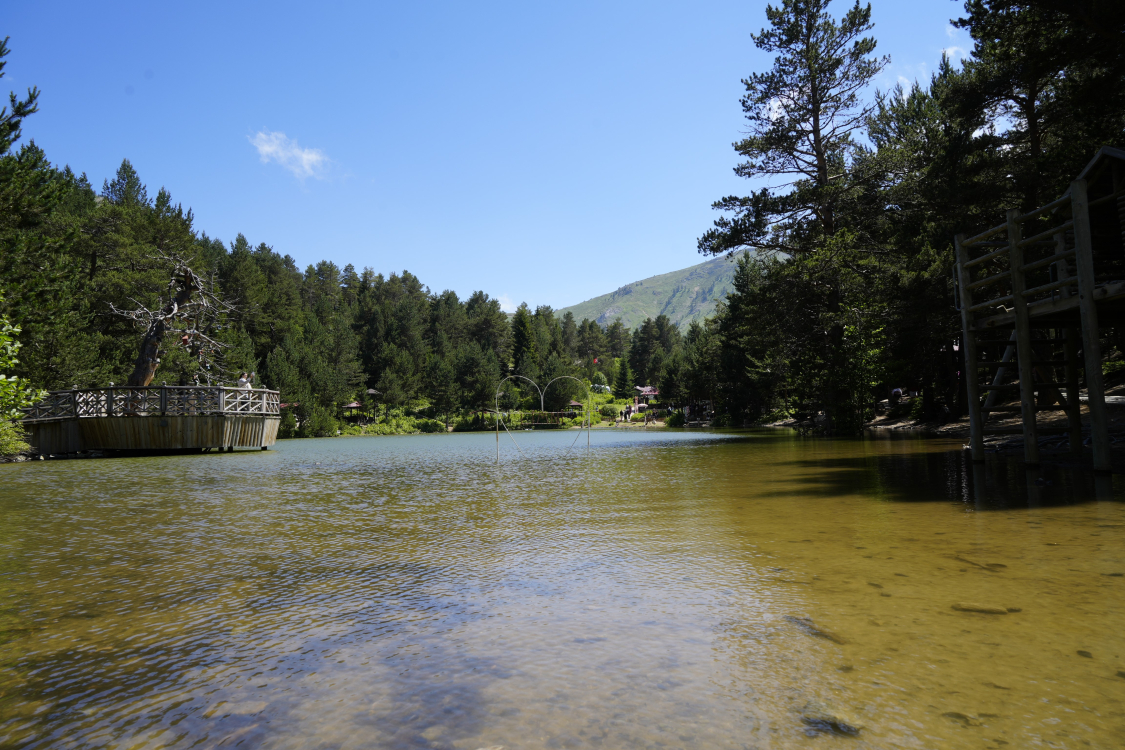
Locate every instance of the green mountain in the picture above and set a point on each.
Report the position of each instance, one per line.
(683, 296)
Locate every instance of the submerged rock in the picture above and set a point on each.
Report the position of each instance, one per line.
(1087, 654)
(983, 609)
(961, 718)
(990, 567)
(807, 625)
(825, 718)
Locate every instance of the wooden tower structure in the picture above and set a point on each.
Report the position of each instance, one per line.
(1035, 293)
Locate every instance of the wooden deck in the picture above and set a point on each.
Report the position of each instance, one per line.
(153, 419)
(1040, 287)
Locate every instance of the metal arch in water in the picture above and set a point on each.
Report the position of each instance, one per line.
(542, 407)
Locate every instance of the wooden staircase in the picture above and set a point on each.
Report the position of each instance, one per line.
(1038, 289)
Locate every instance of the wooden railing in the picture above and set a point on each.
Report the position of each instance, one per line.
(161, 400)
(1039, 273)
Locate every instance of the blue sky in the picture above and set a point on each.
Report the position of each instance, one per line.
(544, 153)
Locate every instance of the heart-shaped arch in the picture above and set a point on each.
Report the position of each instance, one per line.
(542, 407)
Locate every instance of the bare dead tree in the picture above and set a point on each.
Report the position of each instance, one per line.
(191, 314)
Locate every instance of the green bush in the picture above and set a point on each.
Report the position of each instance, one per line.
(12, 439)
(430, 425)
(902, 408)
(609, 410)
(777, 415)
(675, 419)
(288, 425)
(320, 423)
(476, 424)
(916, 408)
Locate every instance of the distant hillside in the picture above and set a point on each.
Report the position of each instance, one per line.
(683, 296)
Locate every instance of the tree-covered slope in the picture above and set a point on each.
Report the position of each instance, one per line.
(683, 296)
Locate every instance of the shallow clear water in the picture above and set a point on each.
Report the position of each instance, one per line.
(663, 590)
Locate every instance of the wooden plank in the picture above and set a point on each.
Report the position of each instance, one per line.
(1046, 234)
(982, 236)
(1110, 292)
(1050, 287)
(989, 280)
(1091, 347)
(984, 258)
(1042, 209)
(1024, 353)
(1049, 260)
(991, 303)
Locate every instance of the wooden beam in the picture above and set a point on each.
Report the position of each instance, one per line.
(969, 347)
(970, 350)
(1024, 353)
(1001, 371)
(1070, 352)
(1091, 348)
(1107, 292)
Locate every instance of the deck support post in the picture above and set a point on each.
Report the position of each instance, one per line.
(1087, 306)
(1024, 353)
(969, 346)
(1070, 357)
(1001, 371)
(1073, 404)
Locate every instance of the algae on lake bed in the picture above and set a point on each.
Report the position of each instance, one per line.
(742, 589)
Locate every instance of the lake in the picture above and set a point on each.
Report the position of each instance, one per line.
(747, 589)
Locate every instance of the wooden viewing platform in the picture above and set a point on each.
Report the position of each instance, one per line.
(1040, 287)
(153, 419)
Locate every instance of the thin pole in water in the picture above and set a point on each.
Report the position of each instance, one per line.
(497, 415)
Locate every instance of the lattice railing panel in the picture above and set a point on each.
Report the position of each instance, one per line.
(128, 401)
(92, 403)
(56, 404)
(246, 401)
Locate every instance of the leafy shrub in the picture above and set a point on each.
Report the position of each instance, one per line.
(475, 423)
(609, 410)
(675, 419)
(777, 415)
(320, 423)
(12, 439)
(916, 411)
(288, 426)
(429, 425)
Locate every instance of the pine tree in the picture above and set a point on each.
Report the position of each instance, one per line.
(523, 338)
(623, 382)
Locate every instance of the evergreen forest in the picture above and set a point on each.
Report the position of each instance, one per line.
(843, 287)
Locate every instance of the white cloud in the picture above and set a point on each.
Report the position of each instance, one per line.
(506, 303)
(950, 30)
(302, 162)
(954, 53)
